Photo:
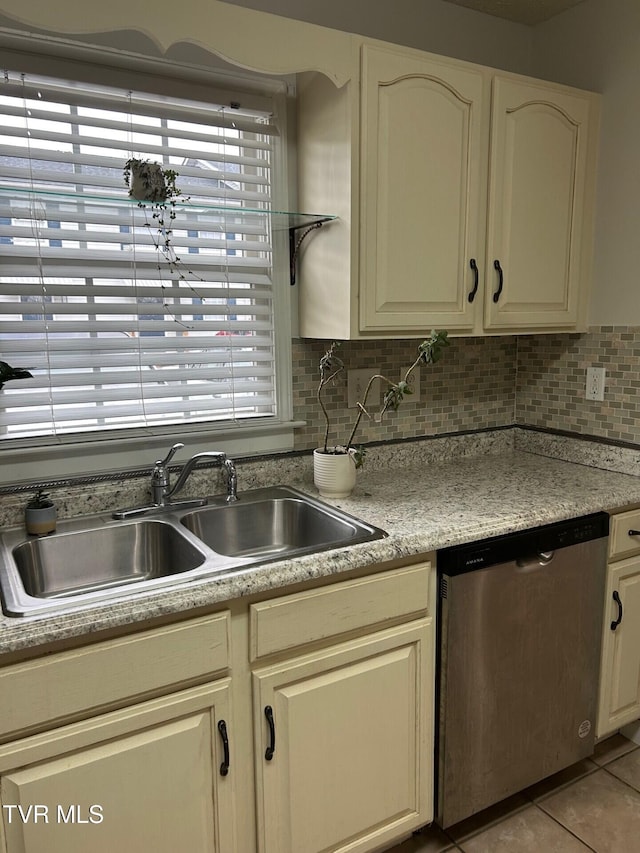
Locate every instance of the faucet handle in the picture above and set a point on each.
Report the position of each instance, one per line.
(160, 477)
(162, 463)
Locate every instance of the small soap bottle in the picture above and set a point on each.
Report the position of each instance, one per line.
(40, 515)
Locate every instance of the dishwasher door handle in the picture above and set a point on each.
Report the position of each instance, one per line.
(532, 561)
(617, 621)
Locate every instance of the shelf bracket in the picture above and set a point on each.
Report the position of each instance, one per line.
(295, 242)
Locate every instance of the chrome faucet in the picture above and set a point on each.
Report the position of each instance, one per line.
(160, 477)
(187, 468)
(162, 491)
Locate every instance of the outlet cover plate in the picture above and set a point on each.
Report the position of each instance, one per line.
(595, 383)
(414, 384)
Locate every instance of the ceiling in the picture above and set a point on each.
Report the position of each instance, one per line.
(529, 12)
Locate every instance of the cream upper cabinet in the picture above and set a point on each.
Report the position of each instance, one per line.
(465, 199)
(619, 702)
(422, 164)
(538, 225)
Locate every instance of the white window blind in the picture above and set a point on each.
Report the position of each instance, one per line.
(113, 335)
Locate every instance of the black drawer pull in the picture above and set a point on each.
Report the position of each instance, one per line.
(268, 753)
(496, 266)
(476, 279)
(222, 728)
(634, 533)
(617, 621)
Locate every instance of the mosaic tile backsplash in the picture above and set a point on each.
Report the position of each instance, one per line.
(533, 380)
(551, 374)
(472, 387)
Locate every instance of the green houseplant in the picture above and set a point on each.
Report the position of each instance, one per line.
(335, 465)
(154, 188)
(40, 515)
(149, 181)
(7, 373)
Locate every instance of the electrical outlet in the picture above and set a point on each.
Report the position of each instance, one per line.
(357, 381)
(595, 383)
(414, 384)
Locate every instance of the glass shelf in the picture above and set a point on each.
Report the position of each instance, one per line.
(23, 202)
(280, 219)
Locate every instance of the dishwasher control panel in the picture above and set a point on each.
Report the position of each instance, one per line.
(511, 546)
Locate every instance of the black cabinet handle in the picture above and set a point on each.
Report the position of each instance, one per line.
(476, 281)
(634, 533)
(496, 266)
(222, 728)
(268, 712)
(617, 621)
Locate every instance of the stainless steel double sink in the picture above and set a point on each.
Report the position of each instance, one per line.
(96, 558)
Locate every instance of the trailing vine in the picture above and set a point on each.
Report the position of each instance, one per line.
(155, 190)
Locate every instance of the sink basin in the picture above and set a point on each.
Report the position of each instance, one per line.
(89, 563)
(275, 523)
(109, 556)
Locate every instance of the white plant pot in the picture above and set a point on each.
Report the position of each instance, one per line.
(334, 474)
(148, 182)
(39, 521)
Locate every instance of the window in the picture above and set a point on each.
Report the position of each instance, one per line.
(116, 338)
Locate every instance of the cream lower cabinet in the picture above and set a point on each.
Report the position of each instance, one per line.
(466, 200)
(160, 741)
(620, 667)
(146, 778)
(102, 751)
(350, 768)
(344, 734)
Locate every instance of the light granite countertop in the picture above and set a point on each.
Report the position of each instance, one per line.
(423, 508)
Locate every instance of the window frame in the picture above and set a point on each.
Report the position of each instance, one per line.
(36, 459)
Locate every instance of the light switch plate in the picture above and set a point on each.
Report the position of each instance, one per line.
(357, 384)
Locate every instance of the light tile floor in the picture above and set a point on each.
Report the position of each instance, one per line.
(592, 806)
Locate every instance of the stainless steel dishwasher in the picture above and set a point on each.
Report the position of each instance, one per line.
(519, 651)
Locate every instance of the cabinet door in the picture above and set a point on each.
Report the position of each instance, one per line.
(422, 171)
(145, 778)
(620, 668)
(536, 209)
(353, 761)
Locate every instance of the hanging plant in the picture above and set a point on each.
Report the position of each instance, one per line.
(150, 182)
(154, 187)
